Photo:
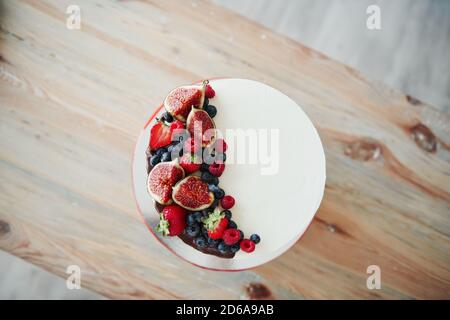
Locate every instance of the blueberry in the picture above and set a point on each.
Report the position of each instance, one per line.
(255, 238)
(198, 216)
(215, 180)
(192, 230)
(211, 110)
(214, 204)
(219, 193)
(221, 157)
(200, 242)
(204, 167)
(207, 177)
(166, 157)
(242, 234)
(204, 232)
(205, 213)
(232, 225)
(227, 214)
(206, 102)
(167, 117)
(154, 160)
(160, 151)
(235, 248)
(213, 187)
(213, 243)
(223, 248)
(191, 219)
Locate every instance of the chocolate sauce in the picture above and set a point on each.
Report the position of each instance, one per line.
(187, 239)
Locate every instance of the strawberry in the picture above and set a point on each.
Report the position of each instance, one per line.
(172, 221)
(209, 92)
(161, 133)
(215, 224)
(189, 163)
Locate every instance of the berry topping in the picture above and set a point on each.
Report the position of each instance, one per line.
(211, 110)
(227, 214)
(204, 167)
(167, 117)
(166, 157)
(247, 245)
(232, 224)
(189, 163)
(192, 146)
(192, 230)
(213, 243)
(207, 177)
(154, 160)
(200, 241)
(216, 169)
(219, 193)
(215, 224)
(223, 247)
(227, 202)
(235, 248)
(220, 146)
(231, 236)
(172, 221)
(209, 92)
(160, 135)
(255, 238)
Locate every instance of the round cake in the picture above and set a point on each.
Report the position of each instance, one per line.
(244, 182)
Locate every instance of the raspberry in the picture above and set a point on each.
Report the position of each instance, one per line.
(231, 236)
(216, 169)
(220, 146)
(209, 92)
(247, 245)
(227, 202)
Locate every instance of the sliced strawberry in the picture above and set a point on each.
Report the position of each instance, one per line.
(216, 224)
(160, 136)
(172, 220)
(190, 163)
(161, 133)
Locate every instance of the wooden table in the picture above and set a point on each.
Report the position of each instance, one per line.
(74, 101)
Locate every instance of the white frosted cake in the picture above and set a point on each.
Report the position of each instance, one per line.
(274, 171)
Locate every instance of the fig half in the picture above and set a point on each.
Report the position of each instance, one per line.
(200, 125)
(161, 180)
(192, 193)
(180, 100)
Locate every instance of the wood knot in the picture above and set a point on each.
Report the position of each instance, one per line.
(258, 291)
(412, 100)
(424, 138)
(5, 228)
(363, 150)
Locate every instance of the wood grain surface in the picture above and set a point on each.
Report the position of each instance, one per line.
(73, 102)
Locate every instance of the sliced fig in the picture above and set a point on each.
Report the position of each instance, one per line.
(180, 100)
(161, 180)
(200, 125)
(192, 193)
